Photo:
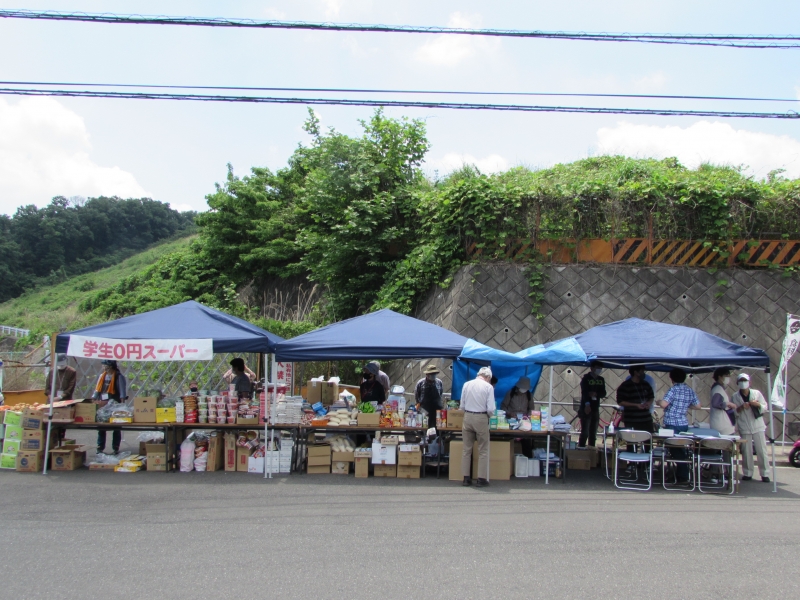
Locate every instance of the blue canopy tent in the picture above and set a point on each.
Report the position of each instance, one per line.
(661, 347)
(215, 331)
(188, 320)
(382, 334)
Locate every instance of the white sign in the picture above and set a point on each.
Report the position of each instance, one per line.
(282, 373)
(790, 343)
(140, 350)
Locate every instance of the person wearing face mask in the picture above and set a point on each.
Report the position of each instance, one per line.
(374, 367)
(371, 389)
(111, 386)
(750, 405)
(428, 394)
(593, 389)
(65, 380)
(722, 409)
(635, 396)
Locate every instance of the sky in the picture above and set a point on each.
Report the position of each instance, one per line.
(177, 151)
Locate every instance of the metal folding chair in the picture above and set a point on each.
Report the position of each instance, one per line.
(632, 456)
(717, 453)
(673, 447)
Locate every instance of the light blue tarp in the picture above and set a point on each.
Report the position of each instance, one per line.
(509, 367)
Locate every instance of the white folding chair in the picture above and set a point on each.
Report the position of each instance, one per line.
(677, 451)
(717, 453)
(633, 456)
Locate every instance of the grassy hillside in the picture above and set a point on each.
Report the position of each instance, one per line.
(55, 307)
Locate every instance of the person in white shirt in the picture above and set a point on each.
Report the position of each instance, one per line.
(477, 402)
(750, 405)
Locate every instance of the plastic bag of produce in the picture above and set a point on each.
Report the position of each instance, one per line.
(200, 462)
(187, 455)
(154, 437)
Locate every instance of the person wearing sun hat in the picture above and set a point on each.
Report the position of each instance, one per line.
(428, 393)
(750, 405)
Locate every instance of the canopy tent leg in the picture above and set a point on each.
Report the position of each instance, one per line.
(267, 403)
(771, 429)
(549, 419)
(53, 377)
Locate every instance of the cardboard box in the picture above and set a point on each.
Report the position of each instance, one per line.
(34, 439)
(32, 419)
(157, 457)
(409, 455)
(85, 412)
(408, 472)
(12, 418)
(362, 466)
(102, 467)
(319, 470)
(14, 432)
(456, 454)
(242, 458)
(11, 446)
(314, 391)
(230, 451)
(385, 470)
(579, 463)
(247, 420)
(501, 459)
(255, 465)
(455, 418)
(580, 455)
(29, 462)
(319, 450)
(318, 461)
(343, 457)
(330, 393)
(166, 415)
(144, 409)
(67, 458)
(383, 454)
(64, 413)
(369, 419)
(120, 420)
(340, 468)
(8, 461)
(216, 453)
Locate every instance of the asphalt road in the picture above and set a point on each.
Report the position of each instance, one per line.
(233, 535)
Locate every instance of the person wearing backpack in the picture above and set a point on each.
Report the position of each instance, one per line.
(519, 401)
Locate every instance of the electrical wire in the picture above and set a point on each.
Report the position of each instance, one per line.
(399, 103)
(378, 91)
(728, 40)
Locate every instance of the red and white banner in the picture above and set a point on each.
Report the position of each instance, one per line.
(140, 350)
(282, 373)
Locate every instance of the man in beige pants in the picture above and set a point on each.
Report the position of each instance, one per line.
(477, 402)
(750, 405)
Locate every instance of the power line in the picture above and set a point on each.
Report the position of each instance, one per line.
(399, 103)
(378, 91)
(728, 40)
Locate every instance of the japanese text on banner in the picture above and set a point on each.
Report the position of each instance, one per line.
(140, 350)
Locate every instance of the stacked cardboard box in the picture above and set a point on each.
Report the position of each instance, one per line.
(319, 459)
(29, 461)
(501, 455)
(362, 457)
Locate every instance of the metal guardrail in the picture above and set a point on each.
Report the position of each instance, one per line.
(14, 331)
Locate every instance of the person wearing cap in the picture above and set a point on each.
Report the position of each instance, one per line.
(477, 402)
(750, 405)
(593, 389)
(518, 402)
(371, 389)
(722, 409)
(65, 379)
(374, 367)
(676, 404)
(428, 394)
(111, 385)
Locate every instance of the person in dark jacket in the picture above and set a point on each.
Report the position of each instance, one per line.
(111, 386)
(428, 394)
(65, 379)
(593, 389)
(371, 389)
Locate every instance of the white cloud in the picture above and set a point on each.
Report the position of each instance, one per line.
(273, 13)
(716, 143)
(449, 50)
(332, 8)
(452, 161)
(44, 152)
